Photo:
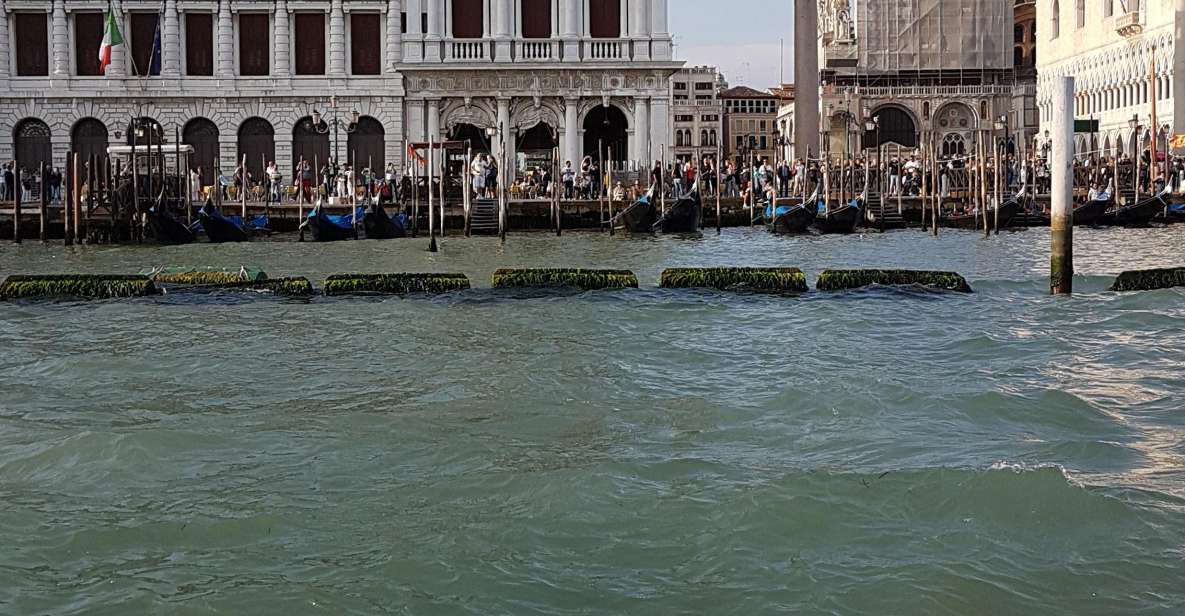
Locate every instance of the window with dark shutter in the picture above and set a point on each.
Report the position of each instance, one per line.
(604, 18)
(310, 43)
(254, 59)
(32, 45)
(365, 44)
(143, 28)
(467, 19)
(536, 19)
(199, 44)
(88, 35)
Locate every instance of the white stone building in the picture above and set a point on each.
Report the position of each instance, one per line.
(243, 77)
(1120, 53)
(696, 113)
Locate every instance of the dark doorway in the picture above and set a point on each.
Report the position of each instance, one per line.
(467, 19)
(88, 35)
(202, 135)
(140, 131)
(257, 141)
(604, 18)
(606, 126)
(896, 126)
(89, 138)
(31, 144)
(367, 145)
(143, 32)
(475, 136)
(536, 146)
(536, 15)
(310, 43)
(311, 142)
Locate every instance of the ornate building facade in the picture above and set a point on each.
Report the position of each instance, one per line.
(1121, 54)
(942, 73)
(245, 77)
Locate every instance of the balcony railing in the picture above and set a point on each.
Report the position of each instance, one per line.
(954, 91)
(1129, 24)
(467, 51)
(606, 49)
(537, 51)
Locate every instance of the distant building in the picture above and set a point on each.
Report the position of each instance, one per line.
(749, 119)
(784, 123)
(696, 114)
(939, 73)
(1121, 56)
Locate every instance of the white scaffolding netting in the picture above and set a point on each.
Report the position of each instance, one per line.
(931, 35)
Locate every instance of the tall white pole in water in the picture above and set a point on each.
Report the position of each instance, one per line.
(1178, 68)
(1061, 259)
(806, 79)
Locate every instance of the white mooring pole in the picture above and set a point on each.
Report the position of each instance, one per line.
(1061, 259)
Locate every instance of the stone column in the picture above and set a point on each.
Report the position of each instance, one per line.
(415, 121)
(432, 40)
(660, 45)
(60, 42)
(337, 40)
(640, 28)
(226, 44)
(394, 35)
(283, 35)
(642, 130)
(4, 58)
(571, 131)
(434, 119)
(806, 77)
(570, 29)
(660, 125)
(502, 29)
(413, 40)
(170, 63)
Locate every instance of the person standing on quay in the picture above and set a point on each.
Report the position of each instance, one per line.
(478, 170)
(568, 177)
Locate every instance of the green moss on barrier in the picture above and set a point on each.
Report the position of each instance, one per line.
(288, 287)
(771, 279)
(1148, 280)
(587, 280)
(836, 280)
(86, 286)
(395, 284)
(206, 275)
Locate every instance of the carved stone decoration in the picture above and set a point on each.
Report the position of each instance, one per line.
(526, 114)
(479, 113)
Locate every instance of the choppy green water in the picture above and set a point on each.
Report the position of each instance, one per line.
(638, 452)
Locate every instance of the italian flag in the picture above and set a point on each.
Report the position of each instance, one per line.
(111, 38)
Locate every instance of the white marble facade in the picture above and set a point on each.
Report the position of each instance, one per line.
(428, 81)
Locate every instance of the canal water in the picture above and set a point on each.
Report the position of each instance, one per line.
(627, 452)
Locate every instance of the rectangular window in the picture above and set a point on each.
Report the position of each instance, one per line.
(365, 46)
(310, 43)
(536, 19)
(680, 85)
(143, 27)
(254, 57)
(199, 44)
(467, 19)
(423, 22)
(88, 35)
(604, 18)
(703, 86)
(32, 44)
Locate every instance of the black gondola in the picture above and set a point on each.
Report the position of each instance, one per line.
(167, 228)
(791, 218)
(219, 228)
(381, 226)
(842, 219)
(1138, 215)
(639, 217)
(326, 228)
(683, 216)
(1093, 211)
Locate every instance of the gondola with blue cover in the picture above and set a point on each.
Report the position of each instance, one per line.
(639, 217)
(783, 217)
(1093, 211)
(840, 219)
(220, 228)
(381, 226)
(326, 228)
(1140, 214)
(683, 216)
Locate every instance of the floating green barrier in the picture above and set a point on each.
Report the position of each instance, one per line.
(395, 284)
(86, 286)
(767, 279)
(288, 287)
(1149, 280)
(836, 280)
(204, 275)
(587, 280)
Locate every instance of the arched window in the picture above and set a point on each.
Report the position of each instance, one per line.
(712, 137)
(1055, 22)
(679, 138)
(703, 137)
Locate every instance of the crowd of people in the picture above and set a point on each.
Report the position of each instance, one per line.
(33, 186)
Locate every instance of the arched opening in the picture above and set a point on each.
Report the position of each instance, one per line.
(953, 144)
(1120, 150)
(202, 135)
(477, 138)
(89, 138)
(310, 142)
(535, 146)
(367, 144)
(607, 127)
(257, 141)
(142, 129)
(31, 144)
(679, 138)
(894, 125)
(1107, 146)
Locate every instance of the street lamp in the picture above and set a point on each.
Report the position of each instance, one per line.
(321, 125)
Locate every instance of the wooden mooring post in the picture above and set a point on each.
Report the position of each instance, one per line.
(43, 213)
(76, 215)
(1061, 259)
(16, 202)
